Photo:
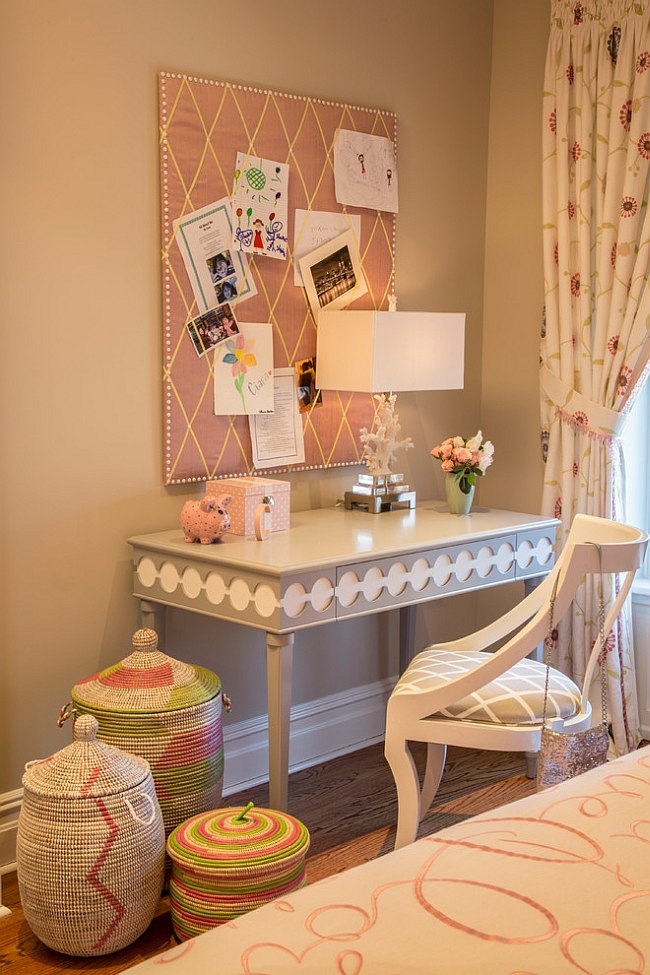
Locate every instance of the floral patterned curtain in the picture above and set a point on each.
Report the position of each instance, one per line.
(595, 338)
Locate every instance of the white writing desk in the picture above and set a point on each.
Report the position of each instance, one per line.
(334, 564)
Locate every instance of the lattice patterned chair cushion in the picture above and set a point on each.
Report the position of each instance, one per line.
(515, 697)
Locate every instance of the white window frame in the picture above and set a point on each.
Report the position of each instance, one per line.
(636, 451)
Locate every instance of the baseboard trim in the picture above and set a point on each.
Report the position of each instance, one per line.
(320, 730)
(9, 810)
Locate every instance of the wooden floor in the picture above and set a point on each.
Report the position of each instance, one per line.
(349, 807)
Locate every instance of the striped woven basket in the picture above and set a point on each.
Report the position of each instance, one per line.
(90, 849)
(230, 861)
(168, 712)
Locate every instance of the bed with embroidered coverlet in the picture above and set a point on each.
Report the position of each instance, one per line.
(558, 882)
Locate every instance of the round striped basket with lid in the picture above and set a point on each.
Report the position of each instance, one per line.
(90, 848)
(230, 861)
(170, 713)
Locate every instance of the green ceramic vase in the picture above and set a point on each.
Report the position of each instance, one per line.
(459, 502)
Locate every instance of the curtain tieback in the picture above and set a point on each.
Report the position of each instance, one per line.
(579, 411)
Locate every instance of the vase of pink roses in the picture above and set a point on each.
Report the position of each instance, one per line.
(463, 461)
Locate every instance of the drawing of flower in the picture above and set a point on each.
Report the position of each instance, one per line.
(239, 357)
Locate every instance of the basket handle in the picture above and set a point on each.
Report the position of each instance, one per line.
(152, 809)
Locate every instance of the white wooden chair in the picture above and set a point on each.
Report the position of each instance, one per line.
(459, 694)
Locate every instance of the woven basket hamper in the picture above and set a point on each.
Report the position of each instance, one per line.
(168, 712)
(90, 848)
(230, 861)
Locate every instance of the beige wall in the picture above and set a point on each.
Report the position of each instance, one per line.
(80, 365)
(514, 292)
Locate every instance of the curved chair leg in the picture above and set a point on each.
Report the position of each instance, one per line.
(531, 765)
(398, 756)
(436, 755)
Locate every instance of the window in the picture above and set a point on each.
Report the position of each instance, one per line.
(636, 450)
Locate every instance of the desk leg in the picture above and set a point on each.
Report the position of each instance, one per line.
(529, 586)
(406, 636)
(537, 654)
(152, 617)
(279, 662)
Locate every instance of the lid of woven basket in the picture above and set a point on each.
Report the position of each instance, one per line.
(147, 680)
(86, 768)
(238, 840)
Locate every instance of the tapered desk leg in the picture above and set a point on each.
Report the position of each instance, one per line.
(152, 617)
(279, 665)
(537, 654)
(406, 636)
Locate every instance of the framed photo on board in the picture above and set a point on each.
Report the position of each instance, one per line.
(332, 274)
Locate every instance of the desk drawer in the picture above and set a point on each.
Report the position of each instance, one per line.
(376, 584)
(535, 552)
(243, 597)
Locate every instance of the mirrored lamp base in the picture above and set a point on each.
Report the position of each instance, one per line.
(380, 492)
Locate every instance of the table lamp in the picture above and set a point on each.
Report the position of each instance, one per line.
(383, 353)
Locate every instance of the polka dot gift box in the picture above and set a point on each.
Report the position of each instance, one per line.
(247, 493)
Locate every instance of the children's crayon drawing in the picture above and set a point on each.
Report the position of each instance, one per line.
(259, 206)
(365, 171)
(243, 371)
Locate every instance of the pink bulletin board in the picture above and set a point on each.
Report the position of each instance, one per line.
(203, 125)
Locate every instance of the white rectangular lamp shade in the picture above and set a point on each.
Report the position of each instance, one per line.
(389, 351)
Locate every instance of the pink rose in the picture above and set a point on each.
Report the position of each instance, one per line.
(463, 455)
(448, 466)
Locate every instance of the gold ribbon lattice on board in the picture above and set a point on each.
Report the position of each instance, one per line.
(203, 124)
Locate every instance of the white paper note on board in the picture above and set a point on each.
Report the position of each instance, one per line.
(217, 274)
(277, 438)
(365, 170)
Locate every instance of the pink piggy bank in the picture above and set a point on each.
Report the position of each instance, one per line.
(207, 520)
